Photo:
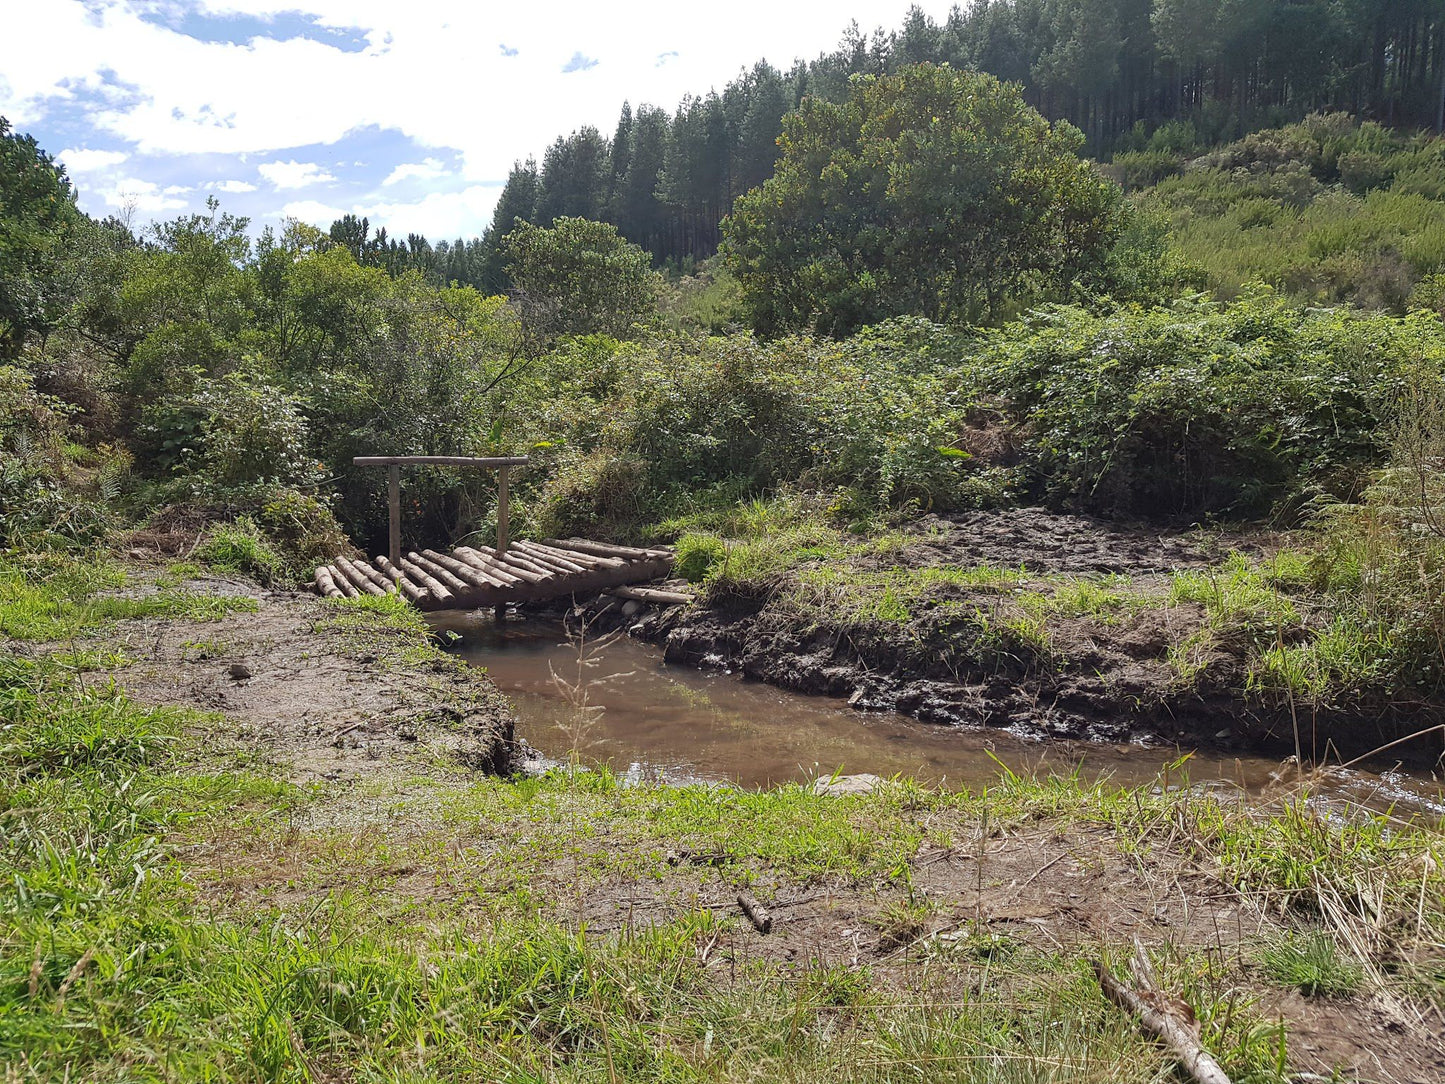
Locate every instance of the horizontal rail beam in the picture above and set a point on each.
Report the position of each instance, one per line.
(440, 461)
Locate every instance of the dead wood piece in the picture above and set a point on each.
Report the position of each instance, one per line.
(1160, 1021)
(756, 912)
(357, 578)
(455, 584)
(653, 595)
(326, 583)
(686, 856)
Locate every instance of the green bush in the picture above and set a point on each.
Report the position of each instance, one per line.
(1205, 408)
(242, 547)
(698, 555)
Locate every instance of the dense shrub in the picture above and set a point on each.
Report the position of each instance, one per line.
(1206, 408)
(51, 491)
(1328, 210)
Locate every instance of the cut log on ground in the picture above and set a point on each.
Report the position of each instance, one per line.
(654, 595)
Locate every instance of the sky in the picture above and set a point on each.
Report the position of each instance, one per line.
(410, 112)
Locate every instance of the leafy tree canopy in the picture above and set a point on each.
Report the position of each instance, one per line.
(37, 207)
(934, 192)
(579, 277)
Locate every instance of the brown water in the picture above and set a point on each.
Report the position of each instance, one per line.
(645, 719)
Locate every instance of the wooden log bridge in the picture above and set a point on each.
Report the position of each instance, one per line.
(469, 578)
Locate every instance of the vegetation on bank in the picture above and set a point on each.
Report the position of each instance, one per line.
(174, 913)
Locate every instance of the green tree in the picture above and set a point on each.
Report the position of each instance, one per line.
(37, 212)
(579, 277)
(933, 192)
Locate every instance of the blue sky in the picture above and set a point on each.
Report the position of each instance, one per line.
(408, 111)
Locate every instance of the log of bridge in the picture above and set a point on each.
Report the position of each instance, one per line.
(414, 594)
(379, 578)
(521, 560)
(463, 571)
(455, 584)
(341, 583)
(549, 562)
(587, 559)
(489, 563)
(533, 587)
(604, 549)
(326, 584)
(358, 579)
(434, 586)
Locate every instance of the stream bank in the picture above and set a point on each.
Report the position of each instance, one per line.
(1044, 625)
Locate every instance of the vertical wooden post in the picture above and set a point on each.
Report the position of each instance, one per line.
(502, 511)
(393, 508)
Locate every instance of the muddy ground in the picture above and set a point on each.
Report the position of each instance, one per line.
(1106, 679)
(1036, 889)
(327, 699)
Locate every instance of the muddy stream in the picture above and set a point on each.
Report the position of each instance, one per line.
(619, 705)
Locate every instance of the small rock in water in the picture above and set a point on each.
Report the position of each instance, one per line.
(239, 671)
(863, 783)
(631, 607)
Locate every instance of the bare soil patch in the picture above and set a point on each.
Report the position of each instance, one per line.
(327, 699)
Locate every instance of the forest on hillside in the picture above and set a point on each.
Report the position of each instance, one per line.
(1116, 69)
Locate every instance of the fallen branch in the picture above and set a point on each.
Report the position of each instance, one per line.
(1179, 1035)
(756, 912)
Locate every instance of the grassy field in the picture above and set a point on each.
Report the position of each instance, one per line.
(177, 906)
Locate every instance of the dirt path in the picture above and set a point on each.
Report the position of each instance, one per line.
(328, 694)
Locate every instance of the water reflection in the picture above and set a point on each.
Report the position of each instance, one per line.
(674, 724)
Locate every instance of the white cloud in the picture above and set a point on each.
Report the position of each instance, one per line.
(163, 95)
(424, 171)
(312, 211)
(294, 174)
(140, 195)
(89, 161)
(234, 186)
(177, 189)
(439, 215)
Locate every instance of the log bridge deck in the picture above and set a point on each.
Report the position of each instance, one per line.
(469, 578)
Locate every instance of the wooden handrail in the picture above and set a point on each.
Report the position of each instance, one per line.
(393, 465)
